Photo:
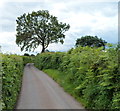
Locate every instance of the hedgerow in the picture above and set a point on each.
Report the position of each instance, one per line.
(12, 70)
(48, 60)
(91, 73)
(27, 59)
(11, 73)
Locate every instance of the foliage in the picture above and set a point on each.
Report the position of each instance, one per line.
(91, 75)
(32, 55)
(90, 41)
(39, 28)
(27, 59)
(48, 60)
(26, 54)
(55, 74)
(12, 67)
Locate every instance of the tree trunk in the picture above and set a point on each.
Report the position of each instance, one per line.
(43, 49)
(44, 46)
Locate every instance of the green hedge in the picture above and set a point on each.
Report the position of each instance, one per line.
(11, 67)
(12, 70)
(27, 59)
(48, 60)
(93, 73)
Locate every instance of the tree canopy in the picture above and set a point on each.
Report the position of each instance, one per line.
(39, 28)
(91, 41)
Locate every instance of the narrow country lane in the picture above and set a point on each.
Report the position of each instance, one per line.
(39, 91)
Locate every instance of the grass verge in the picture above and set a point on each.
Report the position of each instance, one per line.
(62, 79)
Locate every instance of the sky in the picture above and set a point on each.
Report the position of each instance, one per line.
(88, 17)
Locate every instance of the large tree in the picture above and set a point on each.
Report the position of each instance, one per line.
(39, 28)
(91, 41)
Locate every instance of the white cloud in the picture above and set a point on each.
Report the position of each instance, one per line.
(7, 40)
(53, 1)
(84, 18)
(7, 37)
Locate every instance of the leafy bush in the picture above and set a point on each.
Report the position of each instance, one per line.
(12, 69)
(92, 75)
(27, 59)
(48, 60)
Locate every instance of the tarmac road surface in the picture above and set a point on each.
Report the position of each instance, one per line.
(39, 91)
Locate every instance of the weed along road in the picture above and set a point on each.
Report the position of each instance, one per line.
(39, 91)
